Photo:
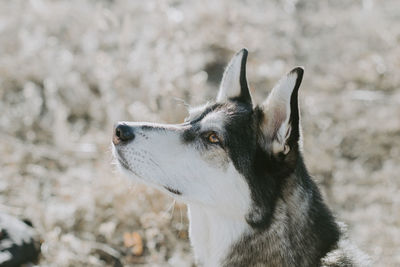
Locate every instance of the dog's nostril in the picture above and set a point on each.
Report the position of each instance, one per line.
(118, 132)
(124, 132)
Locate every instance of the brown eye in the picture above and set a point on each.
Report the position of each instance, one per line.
(213, 138)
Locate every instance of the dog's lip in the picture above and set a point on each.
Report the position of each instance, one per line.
(173, 191)
(121, 160)
(123, 163)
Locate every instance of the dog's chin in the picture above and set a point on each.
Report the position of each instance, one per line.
(132, 174)
(124, 168)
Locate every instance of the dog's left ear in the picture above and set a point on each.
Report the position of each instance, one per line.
(281, 123)
(234, 81)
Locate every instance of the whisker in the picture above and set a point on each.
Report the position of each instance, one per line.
(180, 209)
(170, 210)
(182, 101)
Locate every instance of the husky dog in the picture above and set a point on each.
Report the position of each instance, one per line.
(240, 170)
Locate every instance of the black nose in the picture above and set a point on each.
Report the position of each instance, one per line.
(123, 133)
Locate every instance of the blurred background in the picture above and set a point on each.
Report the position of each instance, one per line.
(69, 69)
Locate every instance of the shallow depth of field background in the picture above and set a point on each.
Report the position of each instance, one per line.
(70, 69)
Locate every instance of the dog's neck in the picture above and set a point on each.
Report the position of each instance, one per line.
(302, 229)
(212, 234)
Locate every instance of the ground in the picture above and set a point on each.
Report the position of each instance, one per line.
(70, 69)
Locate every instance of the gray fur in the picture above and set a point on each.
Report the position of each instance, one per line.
(288, 242)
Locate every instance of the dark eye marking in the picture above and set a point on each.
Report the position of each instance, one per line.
(192, 132)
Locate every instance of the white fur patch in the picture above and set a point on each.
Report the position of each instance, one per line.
(213, 121)
(212, 234)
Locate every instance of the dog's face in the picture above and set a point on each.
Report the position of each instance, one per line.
(225, 153)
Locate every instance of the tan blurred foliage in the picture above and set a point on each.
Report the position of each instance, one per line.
(70, 69)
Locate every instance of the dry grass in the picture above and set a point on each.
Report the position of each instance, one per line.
(70, 69)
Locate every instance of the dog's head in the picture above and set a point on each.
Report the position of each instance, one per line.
(228, 155)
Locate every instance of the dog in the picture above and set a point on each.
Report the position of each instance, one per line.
(240, 170)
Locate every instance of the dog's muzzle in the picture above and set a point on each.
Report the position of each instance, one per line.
(123, 133)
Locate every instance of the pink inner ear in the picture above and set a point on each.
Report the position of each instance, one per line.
(275, 116)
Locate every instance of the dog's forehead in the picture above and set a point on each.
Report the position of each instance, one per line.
(214, 120)
(230, 107)
(216, 114)
(195, 112)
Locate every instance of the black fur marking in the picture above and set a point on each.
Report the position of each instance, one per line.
(193, 130)
(163, 127)
(244, 96)
(174, 191)
(263, 172)
(272, 179)
(294, 120)
(269, 177)
(204, 113)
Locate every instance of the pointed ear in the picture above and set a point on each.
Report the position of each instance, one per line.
(234, 81)
(281, 122)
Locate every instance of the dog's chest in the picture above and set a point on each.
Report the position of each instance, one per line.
(212, 235)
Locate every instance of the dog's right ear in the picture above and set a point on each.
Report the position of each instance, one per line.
(234, 81)
(281, 123)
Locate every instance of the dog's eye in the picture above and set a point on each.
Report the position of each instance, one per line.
(212, 137)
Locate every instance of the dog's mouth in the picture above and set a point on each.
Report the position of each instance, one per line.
(126, 166)
(123, 163)
(121, 160)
